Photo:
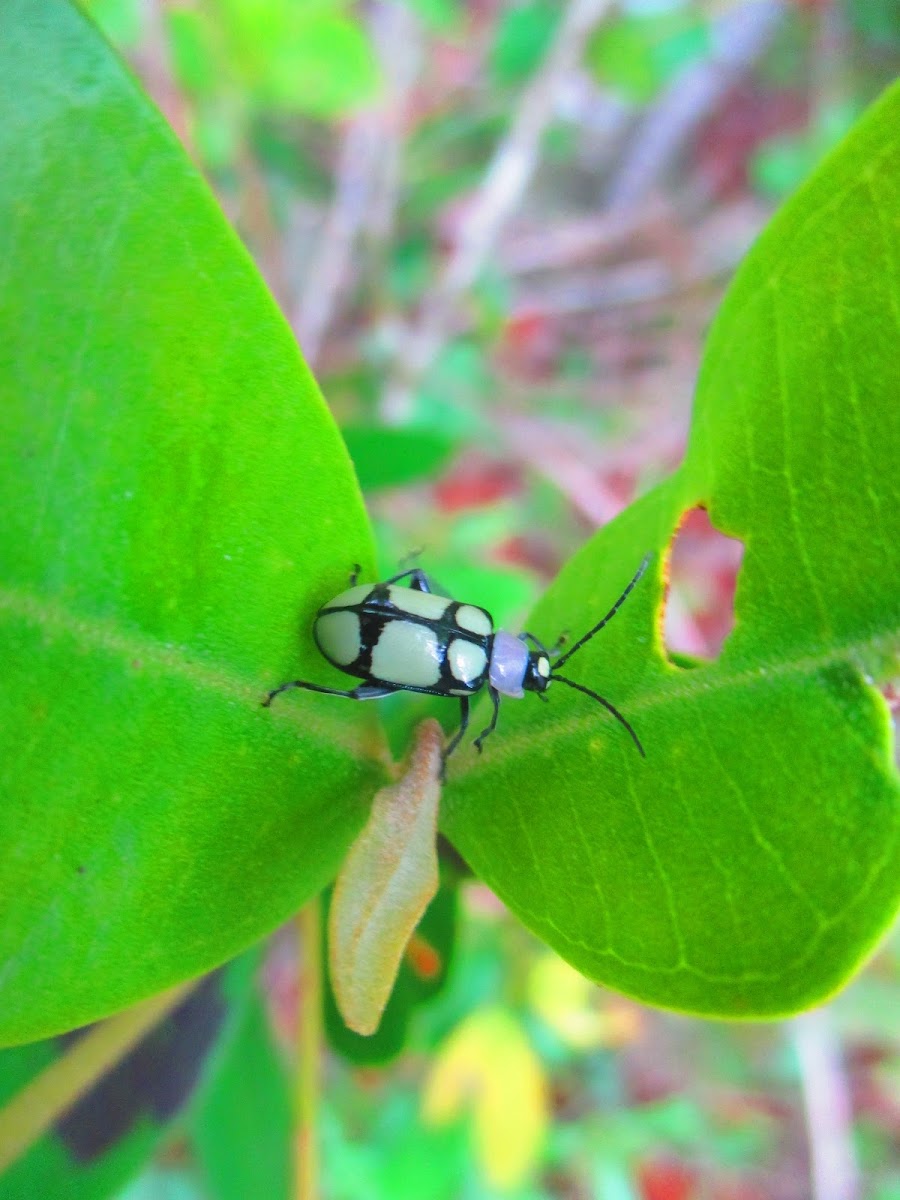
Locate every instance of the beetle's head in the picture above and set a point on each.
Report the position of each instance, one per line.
(538, 674)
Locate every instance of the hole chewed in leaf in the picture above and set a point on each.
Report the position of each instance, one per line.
(703, 567)
(891, 693)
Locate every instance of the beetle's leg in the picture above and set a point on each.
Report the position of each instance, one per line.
(539, 645)
(457, 737)
(411, 557)
(495, 700)
(419, 583)
(527, 637)
(354, 574)
(365, 691)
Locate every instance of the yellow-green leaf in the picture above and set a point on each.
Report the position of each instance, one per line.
(752, 861)
(487, 1066)
(176, 505)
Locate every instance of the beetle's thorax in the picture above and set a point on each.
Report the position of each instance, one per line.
(509, 663)
(514, 669)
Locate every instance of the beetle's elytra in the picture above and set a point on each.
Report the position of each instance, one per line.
(397, 638)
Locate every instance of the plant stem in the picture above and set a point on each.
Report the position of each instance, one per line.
(834, 1169)
(32, 1111)
(499, 194)
(309, 1049)
(363, 187)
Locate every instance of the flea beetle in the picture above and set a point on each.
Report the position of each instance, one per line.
(409, 639)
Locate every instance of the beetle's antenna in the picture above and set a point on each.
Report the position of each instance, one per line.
(609, 616)
(606, 704)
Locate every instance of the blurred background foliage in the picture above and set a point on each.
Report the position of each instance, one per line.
(499, 231)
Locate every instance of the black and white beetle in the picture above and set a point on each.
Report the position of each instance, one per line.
(409, 639)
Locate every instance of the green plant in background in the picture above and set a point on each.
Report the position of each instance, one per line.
(178, 503)
(739, 872)
(225, 486)
(235, 61)
(181, 1070)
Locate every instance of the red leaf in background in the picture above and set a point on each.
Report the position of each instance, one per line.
(475, 483)
(530, 345)
(280, 984)
(522, 329)
(536, 554)
(423, 958)
(666, 1179)
(746, 118)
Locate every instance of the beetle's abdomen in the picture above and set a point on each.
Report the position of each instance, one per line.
(407, 638)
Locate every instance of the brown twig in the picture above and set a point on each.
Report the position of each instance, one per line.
(496, 199)
(740, 36)
(309, 1050)
(576, 241)
(367, 163)
(826, 1099)
(707, 253)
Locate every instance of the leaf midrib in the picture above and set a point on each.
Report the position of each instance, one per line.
(687, 682)
(105, 636)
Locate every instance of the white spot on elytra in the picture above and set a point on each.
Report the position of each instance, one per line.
(419, 604)
(466, 660)
(408, 654)
(351, 597)
(475, 620)
(338, 637)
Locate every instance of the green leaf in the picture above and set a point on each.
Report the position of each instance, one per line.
(878, 21)
(242, 1129)
(113, 1128)
(386, 457)
(442, 16)
(192, 48)
(310, 58)
(751, 862)
(621, 56)
(120, 20)
(397, 1156)
(524, 33)
(177, 504)
(638, 54)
